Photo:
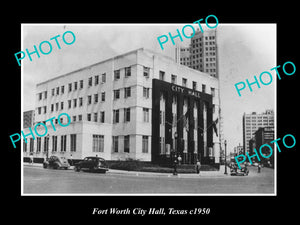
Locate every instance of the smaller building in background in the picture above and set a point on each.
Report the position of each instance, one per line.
(252, 122)
(28, 118)
(251, 146)
(265, 135)
(238, 150)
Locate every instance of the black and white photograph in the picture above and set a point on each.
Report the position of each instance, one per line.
(188, 119)
(149, 109)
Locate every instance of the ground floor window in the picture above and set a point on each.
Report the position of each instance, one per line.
(98, 143)
(46, 144)
(31, 144)
(73, 142)
(54, 143)
(63, 143)
(24, 146)
(145, 144)
(115, 143)
(126, 143)
(38, 144)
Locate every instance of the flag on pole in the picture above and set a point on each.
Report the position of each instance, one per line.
(186, 121)
(215, 126)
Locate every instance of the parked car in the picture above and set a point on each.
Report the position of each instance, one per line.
(242, 172)
(93, 164)
(56, 162)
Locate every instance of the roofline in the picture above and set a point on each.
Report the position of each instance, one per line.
(121, 55)
(83, 68)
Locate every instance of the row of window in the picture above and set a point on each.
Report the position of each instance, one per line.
(195, 40)
(200, 60)
(100, 117)
(116, 140)
(205, 43)
(184, 82)
(97, 144)
(73, 86)
(91, 80)
(126, 111)
(62, 145)
(60, 105)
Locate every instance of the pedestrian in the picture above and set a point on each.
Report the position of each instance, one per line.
(175, 167)
(179, 160)
(31, 158)
(258, 168)
(71, 159)
(198, 166)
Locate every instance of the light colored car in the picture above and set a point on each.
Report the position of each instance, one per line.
(56, 162)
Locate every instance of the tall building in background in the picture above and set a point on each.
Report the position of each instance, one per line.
(252, 122)
(201, 54)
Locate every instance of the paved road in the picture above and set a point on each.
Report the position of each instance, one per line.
(46, 181)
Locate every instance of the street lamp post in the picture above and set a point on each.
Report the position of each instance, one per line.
(47, 145)
(175, 155)
(225, 142)
(175, 142)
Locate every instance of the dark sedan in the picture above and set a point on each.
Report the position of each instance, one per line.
(93, 164)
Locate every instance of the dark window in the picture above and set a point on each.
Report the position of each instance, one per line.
(126, 143)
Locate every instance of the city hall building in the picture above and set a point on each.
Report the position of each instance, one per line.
(138, 105)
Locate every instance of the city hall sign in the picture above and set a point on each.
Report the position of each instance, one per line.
(186, 91)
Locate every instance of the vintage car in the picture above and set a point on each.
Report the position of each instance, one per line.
(93, 164)
(234, 171)
(56, 162)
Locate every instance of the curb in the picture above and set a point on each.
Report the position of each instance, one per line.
(207, 174)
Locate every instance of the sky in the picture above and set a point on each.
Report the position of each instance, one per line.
(244, 50)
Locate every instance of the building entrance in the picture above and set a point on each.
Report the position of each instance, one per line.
(181, 124)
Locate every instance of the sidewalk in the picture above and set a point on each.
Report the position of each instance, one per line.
(219, 173)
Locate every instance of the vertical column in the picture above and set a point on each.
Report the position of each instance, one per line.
(190, 130)
(168, 120)
(179, 124)
(162, 126)
(204, 131)
(184, 142)
(209, 119)
(195, 109)
(200, 131)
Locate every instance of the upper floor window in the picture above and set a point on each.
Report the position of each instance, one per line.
(146, 71)
(161, 75)
(116, 74)
(127, 71)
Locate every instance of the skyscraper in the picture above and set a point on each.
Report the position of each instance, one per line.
(202, 53)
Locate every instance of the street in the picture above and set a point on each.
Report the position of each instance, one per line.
(37, 180)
